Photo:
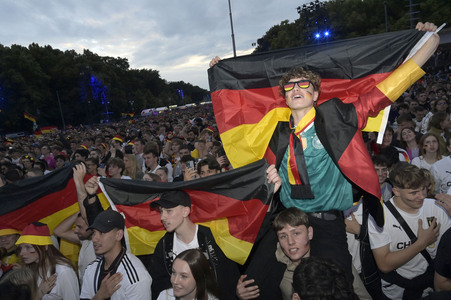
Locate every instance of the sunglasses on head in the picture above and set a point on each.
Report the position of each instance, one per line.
(303, 84)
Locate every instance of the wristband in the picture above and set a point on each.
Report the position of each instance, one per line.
(91, 195)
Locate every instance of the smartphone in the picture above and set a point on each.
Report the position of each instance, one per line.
(191, 164)
(102, 166)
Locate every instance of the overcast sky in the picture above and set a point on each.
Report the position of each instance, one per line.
(177, 38)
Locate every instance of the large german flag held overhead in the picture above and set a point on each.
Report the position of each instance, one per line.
(245, 92)
(233, 204)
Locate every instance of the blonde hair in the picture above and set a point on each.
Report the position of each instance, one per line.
(22, 277)
(134, 167)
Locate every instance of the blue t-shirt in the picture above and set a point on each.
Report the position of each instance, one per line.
(330, 188)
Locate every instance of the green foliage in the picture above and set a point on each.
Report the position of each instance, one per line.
(31, 78)
(349, 18)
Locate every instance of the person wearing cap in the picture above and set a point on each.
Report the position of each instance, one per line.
(182, 234)
(8, 238)
(116, 273)
(54, 272)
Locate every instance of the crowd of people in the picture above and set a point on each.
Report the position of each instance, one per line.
(313, 242)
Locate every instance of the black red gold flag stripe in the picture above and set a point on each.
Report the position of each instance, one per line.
(233, 204)
(246, 97)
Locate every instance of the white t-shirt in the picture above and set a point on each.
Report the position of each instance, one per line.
(441, 171)
(135, 284)
(169, 295)
(66, 286)
(85, 257)
(421, 163)
(393, 234)
(353, 243)
(179, 246)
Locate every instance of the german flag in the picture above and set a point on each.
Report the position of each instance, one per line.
(245, 92)
(29, 117)
(50, 199)
(233, 204)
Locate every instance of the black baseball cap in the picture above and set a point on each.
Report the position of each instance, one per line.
(107, 220)
(172, 199)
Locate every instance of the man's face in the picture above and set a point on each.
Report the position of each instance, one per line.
(173, 218)
(299, 98)
(191, 136)
(382, 173)
(205, 171)
(45, 150)
(104, 242)
(114, 171)
(138, 147)
(183, 152)
(409, 200)
(78, 157)
(422, 97)
(60, 162)
(295, 241)
(412, 105)
(419, 115)
(8, 241)
(94, 154)
(150, 159)
(80, 229)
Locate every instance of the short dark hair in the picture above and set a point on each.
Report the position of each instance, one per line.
(82, 152)
(209, 161)
(380, 160)
(292, 216)
(320, 279)
(407, 176)
(118, 163)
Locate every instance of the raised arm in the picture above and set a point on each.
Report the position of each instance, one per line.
(79, 175)
(426, 51)
(64, 229)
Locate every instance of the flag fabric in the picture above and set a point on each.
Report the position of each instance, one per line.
(29, 117)
(245, 92)
(233, 204)
(49, 129)
(50, 199)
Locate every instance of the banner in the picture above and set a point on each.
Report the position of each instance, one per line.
(245, 91)
(233, 204)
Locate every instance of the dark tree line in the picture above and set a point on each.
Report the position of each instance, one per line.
(350, 18)
(87, 85)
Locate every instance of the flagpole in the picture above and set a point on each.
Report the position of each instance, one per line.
(231, 26)
(61, 111)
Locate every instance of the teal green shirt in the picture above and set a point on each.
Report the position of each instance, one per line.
(329, 186)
